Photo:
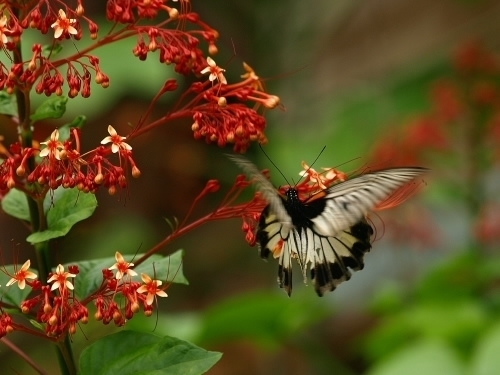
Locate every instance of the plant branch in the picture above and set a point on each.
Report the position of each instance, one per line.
(23, 355)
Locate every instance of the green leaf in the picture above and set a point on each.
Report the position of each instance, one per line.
(64, 131)
(130, 352)
(456, 276)
(53, 107)
(69, 207)
(485, 360)
(37, 325)
(7, 104)
(455, 322)
(429, 357)
(12, 294)
(267, 318)
(159, 267)
(165, 268)
(51, 50)
(15, 203)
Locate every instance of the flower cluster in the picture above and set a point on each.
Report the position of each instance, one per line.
(62, 164)
(219, 117)
(57, 308)
(175, 45)
(42, 66)
(121, 283)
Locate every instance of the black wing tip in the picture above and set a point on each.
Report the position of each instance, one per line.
(327, 276)
(285, 279)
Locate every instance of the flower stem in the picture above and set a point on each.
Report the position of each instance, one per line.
(23, 355)
(65, 356)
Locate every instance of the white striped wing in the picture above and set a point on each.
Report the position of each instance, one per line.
(349, 201)
(265, 187)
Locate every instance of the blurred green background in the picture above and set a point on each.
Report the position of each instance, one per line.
(352, 75)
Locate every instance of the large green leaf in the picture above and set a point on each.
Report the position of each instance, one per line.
(161, 268)
(486, 359)
(12, 294)
(267, 318)
(130, 352)
(429, 357)
(456, 322)
(53, 107)
(70, 207)
(15, 203)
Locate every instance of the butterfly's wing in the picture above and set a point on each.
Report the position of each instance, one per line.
(349, 201)
(330, 257)
(265, 187)
(273, 238)
(334, 256)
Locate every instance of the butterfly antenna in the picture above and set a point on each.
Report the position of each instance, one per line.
(275, 166)
(317, 157)
(315, 160)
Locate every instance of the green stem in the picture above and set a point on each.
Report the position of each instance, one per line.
(37, 215)
(65, 357)
(43, 260)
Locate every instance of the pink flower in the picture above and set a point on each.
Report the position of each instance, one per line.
(21, 276)
(60, 279)
(3, 29)
(63, 24)
(216, 73)
(53, 148)
(123, 268)
(116, 139)
(151, 287)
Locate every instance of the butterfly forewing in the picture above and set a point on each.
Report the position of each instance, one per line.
(264, 187)
(328, 231)
(347, 202)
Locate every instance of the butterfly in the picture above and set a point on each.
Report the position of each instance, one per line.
(328, 231)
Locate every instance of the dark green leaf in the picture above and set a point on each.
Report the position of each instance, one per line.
(138, 353)
(53, 107)
(73, 206)
(388, 299)
(64, 131)
(455, 322)
(51, 50)
(165, 268)
(7, 104)
(15, 203)
(265, 317)
(12, 294)
(454, 275)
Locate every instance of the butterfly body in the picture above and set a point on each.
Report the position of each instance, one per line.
(326, 231)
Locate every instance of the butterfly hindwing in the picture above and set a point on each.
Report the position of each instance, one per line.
(330, 257)
(336, 255)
